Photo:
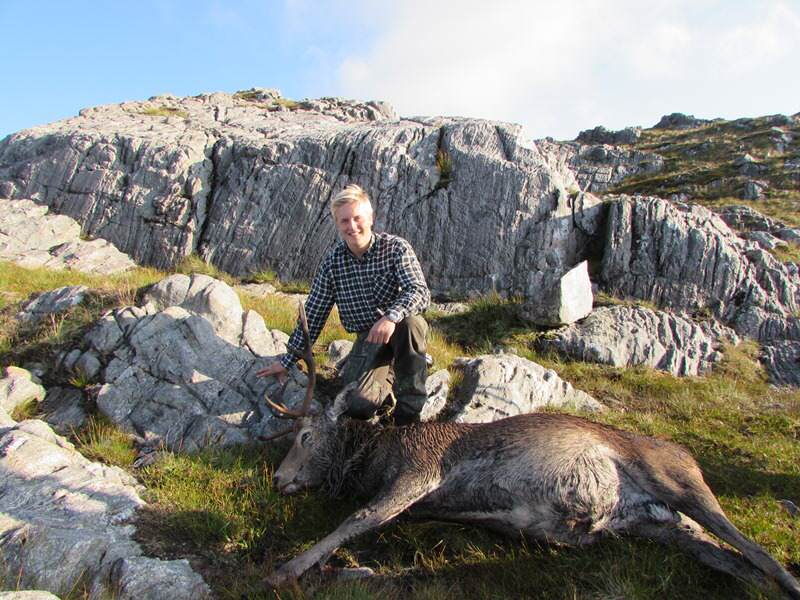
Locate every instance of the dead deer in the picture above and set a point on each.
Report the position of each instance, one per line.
(553, 477)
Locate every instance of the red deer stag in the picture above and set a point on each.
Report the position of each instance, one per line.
(553, 477)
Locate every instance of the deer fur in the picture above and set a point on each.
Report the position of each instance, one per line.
(553, 477)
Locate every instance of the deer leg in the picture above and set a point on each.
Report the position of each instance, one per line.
(687, 535)
(386, 506)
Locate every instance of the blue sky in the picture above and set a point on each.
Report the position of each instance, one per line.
(557, 68)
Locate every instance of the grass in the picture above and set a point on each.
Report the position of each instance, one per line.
(164, 111)
(218, 507)
(444, 164)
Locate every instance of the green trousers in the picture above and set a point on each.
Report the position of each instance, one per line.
(397, 366)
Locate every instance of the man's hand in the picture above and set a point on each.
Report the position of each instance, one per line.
(381, 331)
(275, 369)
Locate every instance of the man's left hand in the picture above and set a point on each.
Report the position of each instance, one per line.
(381, 331)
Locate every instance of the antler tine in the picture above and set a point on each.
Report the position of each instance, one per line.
(308, 356)
(280, 408)
(275, 436)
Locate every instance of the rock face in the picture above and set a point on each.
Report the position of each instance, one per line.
(33, 237)
(624, 336)
(687, 258)
(601, 135)
(181, 369)
(679, 121)
(64, 524)
(501, 385)
(223, 175)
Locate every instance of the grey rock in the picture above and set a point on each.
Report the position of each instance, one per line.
(754, 190)
(744, 219)
(53, 302)
(437, 386)
(32, 237)
(789, 234)
(601, 135)
(747, 165)
(338, 351)
(624, 336)
(162, 187)
(502, 385)
(64, 409)
(782, 361)
(765, 240)
(679, 121)
(181, 370)
(685, 258)
(563, 300)
(64, 522)
(17, 387)
(88, 365)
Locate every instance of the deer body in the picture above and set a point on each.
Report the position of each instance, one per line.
(553, 477)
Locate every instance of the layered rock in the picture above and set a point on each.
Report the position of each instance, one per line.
(181, 369)
(244, 181)
(64, 524)
(52, 302)
(686, 258)
(33, 237)
(495, 386)
(624, 336)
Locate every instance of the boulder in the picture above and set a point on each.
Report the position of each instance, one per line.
(31, 236)
(438, 386)
(338, 351)
(679, 121)
(178, 370)
(601, 135)
(65, 524)
(17, 387)
(52, 302)
(564, 299)
(495, 386)
(27, 595)
(685, 258)
(624, 336)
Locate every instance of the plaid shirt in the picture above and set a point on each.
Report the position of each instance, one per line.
(386, 280)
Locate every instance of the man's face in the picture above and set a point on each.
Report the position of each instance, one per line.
(354, 223)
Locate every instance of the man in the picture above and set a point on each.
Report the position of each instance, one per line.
(376, 282)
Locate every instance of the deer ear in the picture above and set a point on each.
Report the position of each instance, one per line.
(341, 403)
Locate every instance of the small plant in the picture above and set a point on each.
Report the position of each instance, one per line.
(284, 103)
(164, 111)
(194, 264)
(26, 410)
(266, 276)
(103, 441)
(444, 164)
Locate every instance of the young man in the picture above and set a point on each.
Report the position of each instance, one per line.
(376, 282)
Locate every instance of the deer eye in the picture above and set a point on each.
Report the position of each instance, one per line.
(305, 437)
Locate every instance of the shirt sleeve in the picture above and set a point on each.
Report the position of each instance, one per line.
(318, 308)
(414, 294)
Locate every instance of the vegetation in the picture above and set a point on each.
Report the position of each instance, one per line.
(444, 164)
(164, 111)
(218, 507)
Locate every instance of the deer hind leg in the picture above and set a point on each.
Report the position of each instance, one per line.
(685, 534)
(403, 492)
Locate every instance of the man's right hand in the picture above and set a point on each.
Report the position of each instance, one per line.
(275, 369)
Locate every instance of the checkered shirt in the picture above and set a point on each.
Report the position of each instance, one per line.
(386, 280)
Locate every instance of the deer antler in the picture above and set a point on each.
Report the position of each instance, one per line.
(308, 357)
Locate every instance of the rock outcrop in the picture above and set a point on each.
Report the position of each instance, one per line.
(18, 387)
(64, 524)
(33, 237)
(686, 258)
(52, 302)
(244, 181)
(624, 336)
(495, 386)
(181, 369)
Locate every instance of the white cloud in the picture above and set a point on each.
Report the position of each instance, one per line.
(561, 67)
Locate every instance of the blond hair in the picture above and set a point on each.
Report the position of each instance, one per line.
(352, 194)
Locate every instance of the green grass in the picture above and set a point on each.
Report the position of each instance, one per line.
(164, 111)
(219, 507)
